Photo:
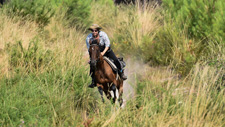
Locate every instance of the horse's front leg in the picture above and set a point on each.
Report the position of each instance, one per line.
(113, 88)
(120, 90)
(100, 90)
(108, 95)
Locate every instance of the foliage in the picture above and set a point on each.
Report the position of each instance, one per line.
(187, 33)
(32, 58)
(171, 46)
(44, 73)
(192, 101)
(109, 3)
(43, 99)
(38, 10)
(126, 34)
(204, 19)
(77, 13)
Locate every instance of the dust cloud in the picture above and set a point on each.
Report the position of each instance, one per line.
(132, 69)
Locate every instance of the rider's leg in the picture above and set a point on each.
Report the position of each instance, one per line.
(117, 63)
(93, 83)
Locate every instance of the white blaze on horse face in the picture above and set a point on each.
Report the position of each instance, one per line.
(92, 48)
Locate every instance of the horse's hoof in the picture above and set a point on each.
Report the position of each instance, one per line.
(122, 104)
(91, 86)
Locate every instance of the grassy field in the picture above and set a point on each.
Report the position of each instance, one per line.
(175, 78)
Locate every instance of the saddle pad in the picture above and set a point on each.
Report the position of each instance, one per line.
(113, 66)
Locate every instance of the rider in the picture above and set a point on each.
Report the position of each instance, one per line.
(104, 48)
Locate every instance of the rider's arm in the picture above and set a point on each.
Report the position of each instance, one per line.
(105, 50)
(107, 43)
(87, 41)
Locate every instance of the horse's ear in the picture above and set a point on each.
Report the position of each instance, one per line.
(94, 42)
(90, 42)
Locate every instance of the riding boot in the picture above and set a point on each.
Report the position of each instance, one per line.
(93, 84)
(122, 75)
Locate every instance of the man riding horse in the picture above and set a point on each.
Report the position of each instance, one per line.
(105, 50)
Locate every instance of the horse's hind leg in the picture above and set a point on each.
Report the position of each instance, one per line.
(113, 88)
(100, 90)
(120, 94)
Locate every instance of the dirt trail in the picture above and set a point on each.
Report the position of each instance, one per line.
(156, 74)
(132, 69)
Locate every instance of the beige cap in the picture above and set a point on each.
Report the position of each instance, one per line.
(94, 26)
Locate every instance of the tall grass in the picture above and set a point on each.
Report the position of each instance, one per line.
(44, 72)
(44, 79)
(156, 35)
(194, 101)
(127, 25)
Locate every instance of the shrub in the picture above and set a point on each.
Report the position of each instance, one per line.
(32, 58)
(126, 36)
(37, 10)
(45, 99)
(77, 13)
(204, 19)
(171, 46)
(189, 28)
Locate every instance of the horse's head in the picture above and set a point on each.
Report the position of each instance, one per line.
(94, 52)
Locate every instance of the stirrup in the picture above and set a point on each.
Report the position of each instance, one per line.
(124, 77)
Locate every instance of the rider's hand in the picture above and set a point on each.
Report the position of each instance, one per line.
(105, 50)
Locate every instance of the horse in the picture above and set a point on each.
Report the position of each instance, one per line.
(106, 79)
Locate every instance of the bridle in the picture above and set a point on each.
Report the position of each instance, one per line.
(98, 58)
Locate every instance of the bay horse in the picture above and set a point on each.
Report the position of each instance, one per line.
(106, 79)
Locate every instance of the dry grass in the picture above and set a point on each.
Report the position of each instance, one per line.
(12, 31)
(137, 21)
(159, 97)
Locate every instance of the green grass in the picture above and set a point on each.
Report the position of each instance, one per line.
(43, 100)
(44, 72)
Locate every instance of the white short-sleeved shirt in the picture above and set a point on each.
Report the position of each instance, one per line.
(103, 37)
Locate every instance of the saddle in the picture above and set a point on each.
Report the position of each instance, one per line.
(112, 65)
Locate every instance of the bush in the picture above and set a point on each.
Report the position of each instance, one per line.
(171, 46)
(190, 27)
(32, 58)
(204, 19)
(126, 35)
(39, 11)
(77, 13)
(45, 99)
